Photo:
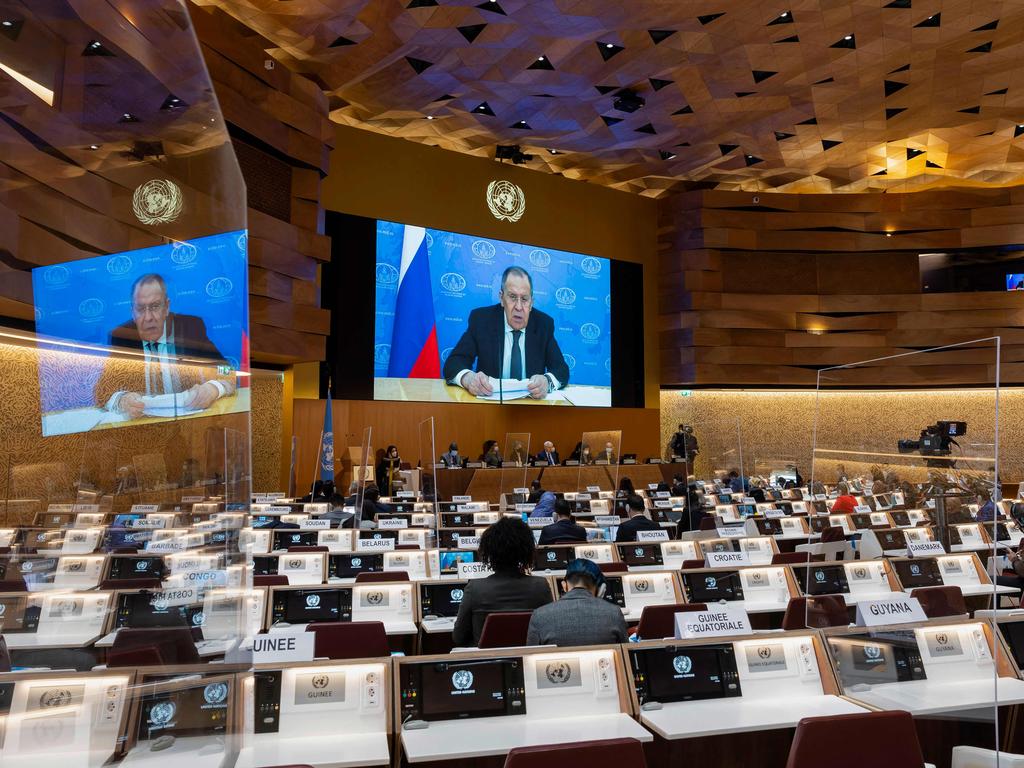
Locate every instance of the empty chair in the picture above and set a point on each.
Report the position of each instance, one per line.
(855, 741)
(658, 621)
(139, 647)
(816, 612)
(832, 533)
(504, 629)
(270, 580)
(937, 602)
(349, 639)
(150, 582)
(691, 564)
(308, 548)
(976, 757)
(609, 753)
(367, 576)
(709, 523)
(613, 567)
(786, 558)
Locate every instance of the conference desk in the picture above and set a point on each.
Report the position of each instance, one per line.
(436, 390)
(488, 484)
(93, 418)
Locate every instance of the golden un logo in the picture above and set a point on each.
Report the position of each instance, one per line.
(506, 201)
(157, 201)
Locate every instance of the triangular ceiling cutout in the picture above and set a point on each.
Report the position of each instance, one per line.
(809, 121)
(687, 110)
(683, 144)
(96, 48)
(12, 28)
(611, 120)
(987, 27)
(786, 17)
(608, 49)
(483, 108)
(970, 110)
(605, 89)
(847, 41)
(666, 155)
(172, 102)
(646, 128)
(760, 75)
(1018, 130)
(341, 41)
(541, 62)
(493, 6)
(725, 149)
(780, 136)
(987, 133)
(930, 164)
(827, 144)
(935, 20)
(791, 39)
(891, 87)
(882, 172)
(892, 112)
(983, 48)
(658, 35)
(912, 153)
(741, 94)
(446, 97)
(1000, 92)
(419, 65)
(707, 19)
(826, 81)
(657, 84)
(522, 125)
(904, 68)
(752, 160)
(472, 31)
(421, 4)
(899, 4)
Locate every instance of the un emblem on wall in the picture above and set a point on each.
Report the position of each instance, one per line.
(158, 201)
(506, 201)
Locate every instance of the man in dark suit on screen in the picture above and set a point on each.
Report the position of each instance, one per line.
(509, 340)
(163, 338)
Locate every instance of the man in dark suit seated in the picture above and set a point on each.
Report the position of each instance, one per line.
(549, 454)
(163, 338)
(564, 528)
(509, 340)
(638, 521)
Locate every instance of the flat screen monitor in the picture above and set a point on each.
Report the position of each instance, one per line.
(1015, 281)
(284, 538)
(349, 564)
(891, 538)
(192, 294)
(441, 303)
(124, 538)
(17, 616)
(822, 579)
(820, 507)
(201, 710)
(452, 690)
(685, 673)
(871, 659)
(132, 567)
(302, 606)
(124, 521)
(139, 610)
(768, 526)
(775, 494)
(448, 538)
(641, 554)
(449, 561)
(1013, 633)
(725, 498)
(712, 586)
(746, 510)
(919, 572)
(901, 517)
(441, 599)
(551, 558)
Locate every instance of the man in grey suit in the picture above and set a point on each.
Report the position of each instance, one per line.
(582, 616)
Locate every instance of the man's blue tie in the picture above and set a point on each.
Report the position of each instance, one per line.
(516, 368)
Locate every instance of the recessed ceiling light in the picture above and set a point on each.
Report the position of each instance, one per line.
(540, 58)
(888, 234)
(7, 23)
(430, 117)
(784, 14)
(554, 151)
(127, 115)
(95, 44)
(609, 45)
(213, 119)
(94, 147)
(848, 37)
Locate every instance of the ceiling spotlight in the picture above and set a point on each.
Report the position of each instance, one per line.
(7, 23)
(430, 117)
(848, 37)
(94, 147)
(609, 45)
(784, 14)
(554, 152)
(540, 58)
(95, 44)
(888, 234)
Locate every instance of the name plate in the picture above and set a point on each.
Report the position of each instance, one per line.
(406, 495)
(862, 509)
(205, 579)
(277, 510)
(593, 489)
(392, 523)
(732, 531)
(774, 513)
(525, 507)
(167, 545)
(898, 609)
(192, 499)
(312, 524)
(461, 499)
(316, 509)
(375, 545)
(469, 542)
(149, 522)
(89, 509)
(582, 497)
(720, 622)
(473, 571)
(521, 491)
(748, 500)
(145, 509)
(58, 509)
(572, 463)
(925, 548)
(726, 559)
(652, 535)
(279, 647)
(474, 465)
(172, 598)
(539, 522)
(606, 521)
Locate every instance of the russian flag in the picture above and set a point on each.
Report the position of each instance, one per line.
(414, 352)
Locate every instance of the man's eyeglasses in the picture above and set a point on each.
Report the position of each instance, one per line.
(154, 309)
(523, 301)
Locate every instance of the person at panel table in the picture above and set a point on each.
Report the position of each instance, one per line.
(162, 337)
(549, 454)
(490, 456)
(509, 340)
(608, 454)
(452, 459)
(518, 455)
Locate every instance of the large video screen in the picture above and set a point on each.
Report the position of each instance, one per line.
(461, 318)
(144, 335)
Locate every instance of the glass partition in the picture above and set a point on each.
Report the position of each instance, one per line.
(515, 469)
(910, 488)
(429, 460)
(364, 475)
(598, 454)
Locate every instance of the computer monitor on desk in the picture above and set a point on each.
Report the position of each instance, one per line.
(348, 565)
(671, 673)
(196, 713)
(712, 586)
(304, 606)
(462, 689)
(140, 610)
(919, 572)
(551, 558)
(283, 539)
(18, 614)
(640, 554)
(442, 599)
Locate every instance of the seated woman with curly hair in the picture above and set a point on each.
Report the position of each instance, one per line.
(506, 547)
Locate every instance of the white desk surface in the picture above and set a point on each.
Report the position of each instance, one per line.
(759, 607)
(390, 627)
(21, 640)
(865, 597)
(268, 749)
(438, 626)
(692, 719)
(91, 759)
(486, 736)
(974, 590)
(197, 751)
(927, 697)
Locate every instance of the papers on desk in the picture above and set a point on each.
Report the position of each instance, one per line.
(168, 405)
(506, 389)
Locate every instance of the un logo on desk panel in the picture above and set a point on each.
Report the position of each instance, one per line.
(184, 253)
(590, 265)
(158, 201)
(27, 566)
(682, 665)
(312, 601)
(540, 258)
(565, 296)
(219, 288)
(552, 556)
(483, 250)
(3, 609)
(462, 680)
(941, 638)
(915, 569)
(860, 573)
(457, 595)
(590, 331)
(74, 566)
(198, 619)
(641, 585)
(91, 308)
(357, 562)
(55, 697)
(215, 693)
(162, 713)
(819, 576)
(506, 201)
(119, 265)
(142, 565)
(375, 598)
(765, 652)
(57, 275)
(294, 564)
(710, 582)
(320, 681)
(638, 551)
(160, 604)
(872, 652)
(558, 672)
(386, 274)
(453, 282)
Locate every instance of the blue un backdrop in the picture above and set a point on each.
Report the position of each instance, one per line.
(465, 272)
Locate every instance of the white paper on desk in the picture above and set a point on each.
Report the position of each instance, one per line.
(507, 389)
(171, 404)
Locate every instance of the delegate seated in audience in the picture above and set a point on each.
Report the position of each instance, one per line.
(1016, 581)
(581, 616)
(845, 503)
(506, 547)
(626, 488)
(536, 491)
(372, 506)
(564, 528)
(545, 505)
(756, 492)
(987, 511)
(678, 485)
(737, 484)
(638, 521)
